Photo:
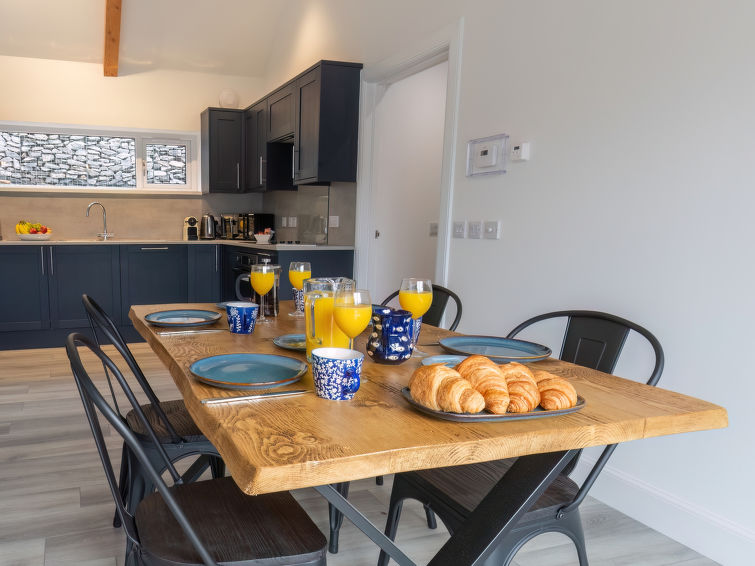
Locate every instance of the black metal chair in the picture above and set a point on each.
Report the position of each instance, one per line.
(433, 316)
(205, 522)
(437, 309)
(592, 339)
(170, 420)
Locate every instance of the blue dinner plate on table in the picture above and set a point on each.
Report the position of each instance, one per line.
(500, 350)
(447, 360)
(248, 371)
(291, 342)
(182, 317)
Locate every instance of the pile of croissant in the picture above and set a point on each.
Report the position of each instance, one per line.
(478, 383)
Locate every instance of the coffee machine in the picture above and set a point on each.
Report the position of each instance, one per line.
(191, 229)
(229, 226)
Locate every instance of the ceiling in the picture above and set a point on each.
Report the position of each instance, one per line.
(233, 37)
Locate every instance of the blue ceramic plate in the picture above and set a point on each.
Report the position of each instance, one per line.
(291, 342)
(445, 359)
(182, 317)
(248, 371)
(484, 416)
(500, 350)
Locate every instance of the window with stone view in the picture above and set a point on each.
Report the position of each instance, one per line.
(67, 160)
(165, 164)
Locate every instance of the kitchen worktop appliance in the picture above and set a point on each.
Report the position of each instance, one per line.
(191, 228)
(207, 229)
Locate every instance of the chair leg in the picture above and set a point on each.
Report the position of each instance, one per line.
(572, 527)
(430, 516)
(391, 527)
(336, 518)
(122, 483)
(217, 466)
(379, 480)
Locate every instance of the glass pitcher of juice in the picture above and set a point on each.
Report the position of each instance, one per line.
(320, 327)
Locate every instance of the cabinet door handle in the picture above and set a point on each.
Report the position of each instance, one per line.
(42, 256)
(52, 265)
(160, 248)
(238, 176)
(293, 161)
(260, 169)
(217, 259)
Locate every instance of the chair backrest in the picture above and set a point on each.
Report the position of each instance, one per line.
(99, 320)
(438, 307)
(595, 339)
(95, 403)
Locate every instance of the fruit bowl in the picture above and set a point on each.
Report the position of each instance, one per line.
(263, 238)
(36, 237)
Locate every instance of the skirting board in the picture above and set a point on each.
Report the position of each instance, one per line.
(714, 536)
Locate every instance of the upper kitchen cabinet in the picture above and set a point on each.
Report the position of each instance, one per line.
(223, 150)
(280, 120)
(255, 133)
(326, 123)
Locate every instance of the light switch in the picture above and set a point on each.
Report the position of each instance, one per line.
(460, 229)
(492, 230)
(333, 221)
(283, 221)
(520, 152)
(474, 229)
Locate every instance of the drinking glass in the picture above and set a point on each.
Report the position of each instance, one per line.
(321, 329)
(352, 311)
(262, 279)
(298, 272)
(416, 296)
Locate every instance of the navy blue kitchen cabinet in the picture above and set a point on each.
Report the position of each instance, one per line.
(204, 273)
(152, 274)
(222, 132)
(75, 270)
(24, 303)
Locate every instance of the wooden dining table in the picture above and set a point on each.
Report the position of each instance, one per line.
(282, 443)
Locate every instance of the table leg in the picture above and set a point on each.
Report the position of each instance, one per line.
(500, 510)
(363, 524)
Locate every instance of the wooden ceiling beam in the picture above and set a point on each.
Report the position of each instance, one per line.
(112, 37)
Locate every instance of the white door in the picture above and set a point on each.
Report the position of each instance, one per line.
(409, 125)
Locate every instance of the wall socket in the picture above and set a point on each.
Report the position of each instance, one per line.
(492, 229)
(474, 229)
(460, 229)
(292, 221)
(333, 221)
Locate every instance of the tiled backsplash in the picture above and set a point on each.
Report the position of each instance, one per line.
(161, 218)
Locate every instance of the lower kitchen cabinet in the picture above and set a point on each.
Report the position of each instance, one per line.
(75, 270)
(24, 303)
(204, 273)
(153, 274)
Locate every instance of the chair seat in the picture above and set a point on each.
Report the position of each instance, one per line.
(236, 528)
(462, 488)
(178, 416)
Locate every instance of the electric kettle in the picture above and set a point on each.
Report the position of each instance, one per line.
(207, 227)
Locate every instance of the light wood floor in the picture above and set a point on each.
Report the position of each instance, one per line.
(55, 507)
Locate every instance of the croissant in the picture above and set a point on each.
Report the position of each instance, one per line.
(525, 396)
(486, 377)
(441, 388)
(555, 392)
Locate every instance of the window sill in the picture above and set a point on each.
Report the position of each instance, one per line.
(110, 191)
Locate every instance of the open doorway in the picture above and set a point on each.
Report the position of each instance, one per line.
(407, 161)
(407, 141)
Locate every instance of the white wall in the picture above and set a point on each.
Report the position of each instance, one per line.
(637, 201)
(43, 90)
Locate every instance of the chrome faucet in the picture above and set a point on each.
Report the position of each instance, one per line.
(105, 234)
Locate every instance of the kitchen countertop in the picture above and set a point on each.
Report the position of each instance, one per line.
(240, 243)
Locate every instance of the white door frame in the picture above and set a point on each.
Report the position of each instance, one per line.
(443, 45)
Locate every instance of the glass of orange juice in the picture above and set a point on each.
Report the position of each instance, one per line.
(352, 311)
(320, 327)
(262, 279)
(298, 272)
(416, 296)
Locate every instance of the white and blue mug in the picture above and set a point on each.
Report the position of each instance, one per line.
(336, 372)
(242, 316)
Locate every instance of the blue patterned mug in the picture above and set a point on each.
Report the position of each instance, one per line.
(390, 341)
(242, 316)
(336, 372)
